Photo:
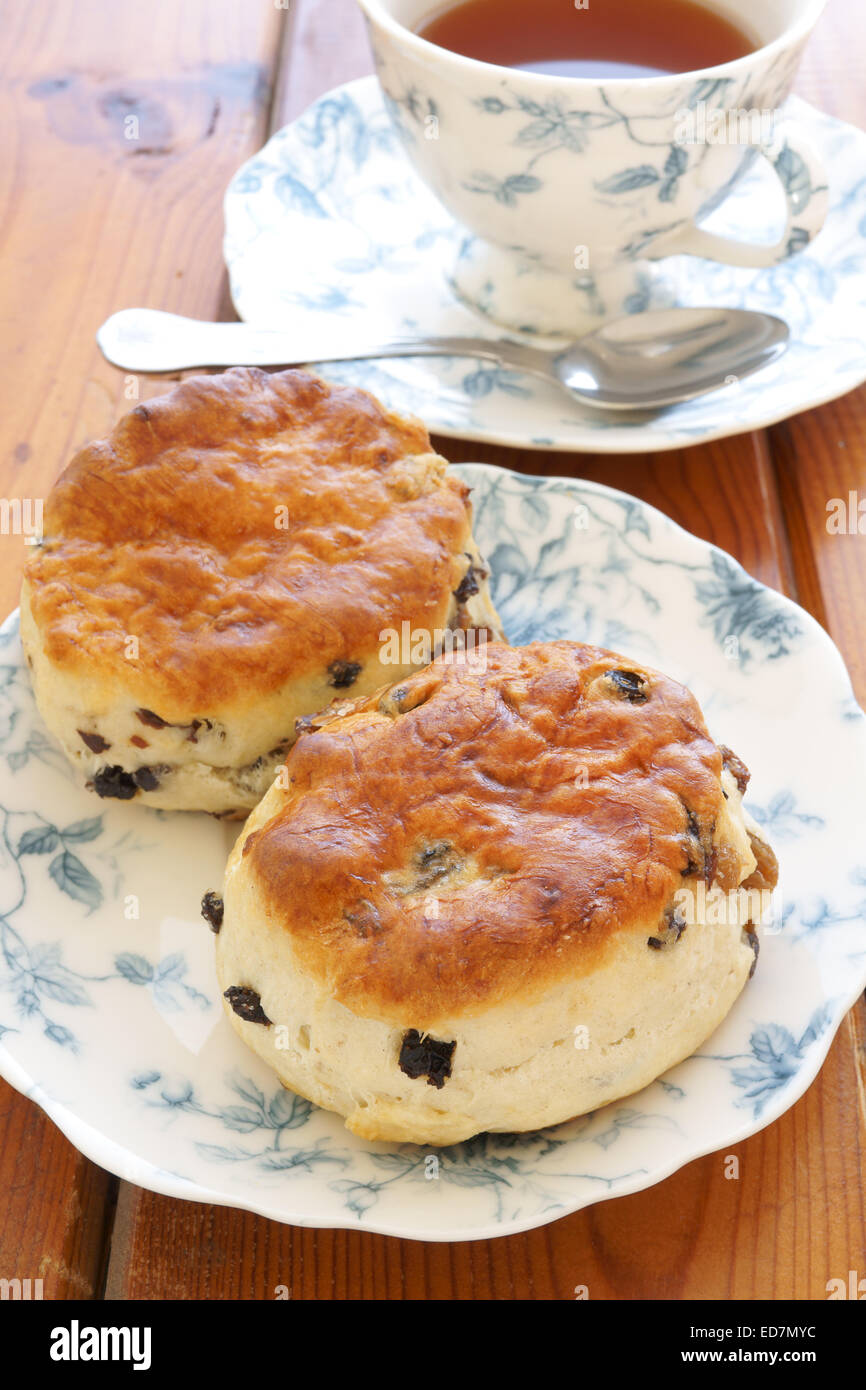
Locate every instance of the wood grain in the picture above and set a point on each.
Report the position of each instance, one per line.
(326, 45)
(89, 225)
(91, 221)
(56, 1207)
(99, 212)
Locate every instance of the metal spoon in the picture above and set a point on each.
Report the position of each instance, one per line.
(641, 362)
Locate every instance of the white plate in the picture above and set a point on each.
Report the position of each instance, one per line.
(113, 1023)
(328, 225)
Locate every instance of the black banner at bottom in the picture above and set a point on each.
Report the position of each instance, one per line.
(236, 1341)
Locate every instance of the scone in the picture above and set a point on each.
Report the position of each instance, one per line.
(232, 556)
(493, 896)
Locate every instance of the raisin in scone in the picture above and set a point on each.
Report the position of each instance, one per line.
(481, 899)
(225, 563)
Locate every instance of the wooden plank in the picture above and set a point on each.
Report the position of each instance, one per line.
(326, 46)
(99, 212)
(90, 221)
(820, 459)
(56, 1209)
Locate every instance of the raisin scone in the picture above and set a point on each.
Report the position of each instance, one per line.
(232, 556)
(498, 894)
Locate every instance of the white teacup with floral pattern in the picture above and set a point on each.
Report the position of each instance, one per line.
(567, 187)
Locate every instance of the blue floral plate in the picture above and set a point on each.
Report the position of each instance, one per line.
(329, 225)
(110, 1017)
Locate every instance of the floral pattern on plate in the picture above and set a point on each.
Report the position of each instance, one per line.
(110, 1016)
(329, 225)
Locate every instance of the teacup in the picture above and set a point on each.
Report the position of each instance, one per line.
(567, 187)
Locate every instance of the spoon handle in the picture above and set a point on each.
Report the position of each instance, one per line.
(147, 340)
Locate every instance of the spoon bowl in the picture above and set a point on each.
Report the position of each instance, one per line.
(656, 359)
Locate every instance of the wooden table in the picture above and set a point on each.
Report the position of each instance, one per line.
(92, 222)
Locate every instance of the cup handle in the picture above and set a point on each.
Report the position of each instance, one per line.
(803, 178)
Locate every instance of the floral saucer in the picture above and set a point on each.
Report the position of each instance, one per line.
(329, 226)
(110, 1016)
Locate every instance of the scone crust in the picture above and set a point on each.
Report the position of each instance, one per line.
(488, 828)
(168, 532)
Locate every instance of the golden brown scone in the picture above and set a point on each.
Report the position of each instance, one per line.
(225, 562)
(479, 900)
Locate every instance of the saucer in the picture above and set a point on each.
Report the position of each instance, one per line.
(329, 226)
